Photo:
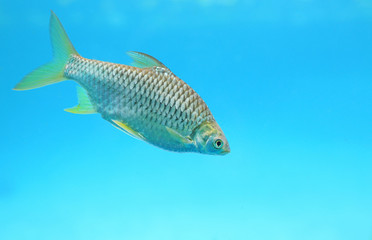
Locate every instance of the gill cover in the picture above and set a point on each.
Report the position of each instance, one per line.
(210, 139)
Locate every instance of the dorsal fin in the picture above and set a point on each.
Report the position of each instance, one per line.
(84, 106)
(143, 60)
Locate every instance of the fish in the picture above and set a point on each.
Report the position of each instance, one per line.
(146, 100)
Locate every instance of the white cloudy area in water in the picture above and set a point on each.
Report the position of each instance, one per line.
(294, 12)
(65, 2)
(113, 14)
(165, 13)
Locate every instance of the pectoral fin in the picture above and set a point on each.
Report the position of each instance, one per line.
(128, 130)
(177, 136)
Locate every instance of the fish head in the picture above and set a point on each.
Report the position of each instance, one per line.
(209, 139)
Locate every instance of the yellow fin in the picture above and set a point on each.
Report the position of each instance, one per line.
(84, 106)
(51, 72)
(176, 135)
(143, 60)
(128, 130)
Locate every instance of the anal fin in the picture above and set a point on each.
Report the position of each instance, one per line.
(84, 106)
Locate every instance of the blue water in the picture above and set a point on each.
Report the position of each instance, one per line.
(289, 82)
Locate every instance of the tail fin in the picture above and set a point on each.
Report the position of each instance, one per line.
(51, 72)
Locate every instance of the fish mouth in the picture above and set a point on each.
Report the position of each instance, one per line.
(225, 151)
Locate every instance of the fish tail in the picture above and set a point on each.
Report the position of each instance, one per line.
(53, 71)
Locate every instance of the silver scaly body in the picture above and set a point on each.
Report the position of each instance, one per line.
(146, 99)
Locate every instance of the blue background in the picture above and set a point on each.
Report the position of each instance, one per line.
(289, 82)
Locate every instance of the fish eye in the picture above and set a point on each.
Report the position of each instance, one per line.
(218, 143)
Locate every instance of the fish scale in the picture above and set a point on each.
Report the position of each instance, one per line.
(145, 100)
(141, 88)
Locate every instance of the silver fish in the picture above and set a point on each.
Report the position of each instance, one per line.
(146, 100)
